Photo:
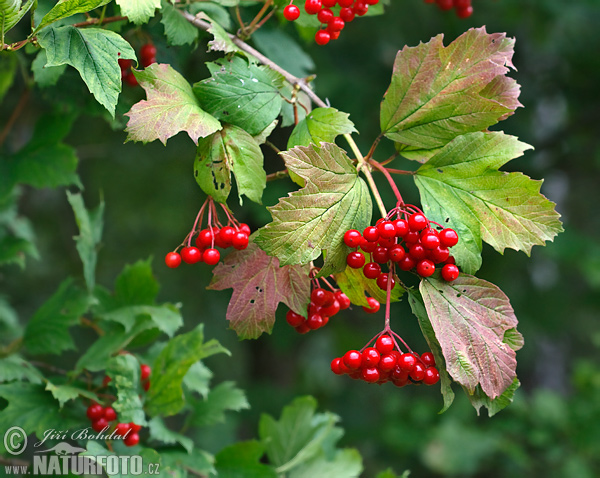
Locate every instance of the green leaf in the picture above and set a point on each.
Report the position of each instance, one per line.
(462, 188)
(389, 473)
(221, 39)
(418, 308)
(136, 285)
(8, 68)
(177, 29)
(315, 218)
(14, 368)
(242, 460)
(171, 107)
(43, 75)
(230, 150)
(11, 12)
(436, 91)
(167, 317)
(354, 284)
(47, 332)
(94, 53)
(321, 124)
(345, 463)
(198, 378)
(124, 370)
(479, 399)
(165, 396)
(514, 339)
(90, 224)
(138, 11)
(470, 317)
(176, 463)
(33, 409)
(241, 94)
(225, 396)
(259, 284)
(65, 393)
(160, 432)
(68, 8)
(16, 239)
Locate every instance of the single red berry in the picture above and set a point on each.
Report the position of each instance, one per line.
(371, 234)
(444, 4)
(345, 3)
(240, 241)
(335, 366)
(384, 344)
(325, 15)
(147, 52)
(368, 246)
(206, 238)
(146, 385)
(191, 255)
(329, 3)
(401, 227)
(318, 296)
(331, 310)
(355, 260)
(145, 371)
(135, 428)
(448, 237)
(293, 318)
(372, 270)
(370, 374)
(380, 255)
(347, 14)
(461, 3)
(360, 8)
(106, 380)
(450, 272)
(450, 260)
(464, 12)
(336, 24)
(245, 228)
(303, 328)
(373, 306)
(398, 373)
(417, 251)
(226, 235)
(400, 382)
(428, 359)
(430, 241)
(130, 78)
(432, 376)
(417, 221)
(314, 321)
(100, 424)
(418, 372)
(95, 411)
(396, 253)
(312, 7)
(342, 299)
(132, 440)
(407, 263)
(411, 237)
(382, 281)
(352, 359)
(352, 238)
(110, 414)
(125, 64)
(211, 256)
(370, 357)
(173, 260)
(122, 428)
(291, 13)
(439, 254)
(425, 268)
(407, 362)
(387, 363)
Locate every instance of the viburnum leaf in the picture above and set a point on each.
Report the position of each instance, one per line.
(94, 52)
(160, 432)
(177, 29)
(124, 370)
(211, 409)
(462, 188)
(438, 93)
(65, 393)
(11, 12)
(470, 317)
(242, 94)
(242, 459)
(138, 11)
(354, 284)
(221, 40)
(259, 284)
(230, 150)
(198, 463)
(171, 107)
(68, 8)
(479, 399)
(315, 218)
(344, 463)
(321, 124)
(14, 367)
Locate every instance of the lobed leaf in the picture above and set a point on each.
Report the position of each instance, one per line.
(68, 8)
(138, 11)
(354, 284)
(66, 393)
(210, 410)
(177, 29)
(479, 399)
(160, 432)
(320, 125)
(124, 370)
(259, 284)
(15, 368)
(242, 459)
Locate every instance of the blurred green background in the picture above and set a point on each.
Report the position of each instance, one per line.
(553, 427)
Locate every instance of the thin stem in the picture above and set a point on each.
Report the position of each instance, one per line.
(198, 219)
(389, 178)
(239, 18)
(373, 147)
(91, 325)
(399, 171)
(253, 24)
(47, 366)
(15, 114)
(100, 21)
(388, 295)
(278, 175)
(273, 147)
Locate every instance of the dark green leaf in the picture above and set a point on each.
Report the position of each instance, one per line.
(43, 75)
(225, 396)
(281, 48)
(166, 317)
(177, 463)
(177, 29)
(160, 432)
(14, 367)
(136, 285)
(198, 378)
(242, 460)
(11, 12)
(65, 393)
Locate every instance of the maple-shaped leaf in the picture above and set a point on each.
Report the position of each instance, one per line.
(461, 187)
(438, 93)
(171, 107)
(470, 317)
(315, 218)
(259, 284)
(138, 11)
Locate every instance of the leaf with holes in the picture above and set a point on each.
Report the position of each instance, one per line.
(315, 218)
(462, 188)
(259, 284)
(470, 318)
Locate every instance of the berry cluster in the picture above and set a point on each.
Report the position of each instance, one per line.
(147, 57)
(406, 238)
(463, 8)
(333, 15)
(234, 234)
(323, 305)
(386, 363)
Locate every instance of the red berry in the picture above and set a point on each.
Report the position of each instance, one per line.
(329, 3)
(314, 321)
(106, 380)
(240, 241)
(384, 344)
(342, 299)
(122, 428)
(294, 319)
(432, 376)
(430, 241)
(100, 424)
(335, 366)
(352, 238)
(245, 228)
(407, 263)
(372, 270)
(370, 374)
(352, 359)
(291, 13)
(398, 373)
(191, 255)
(211, 256)
(450, 260)
(418, 372)
(132, 440)
(336, 24)
(417, 251)
(355, 260)
(386, 229)
(450, 272)
(462, 3)
(464, 12)
(325, 15)
(387, 363)
(145, 371)
(371, 234)
(303, 328)
(226, 235)
(331, 310)
(370, 357)
(345, 3)
(147, 52)
(425, 268)
(110, 414)
(448, 237)
(146, 385)
(380, 255)
(360, 8)
(130, 78)
(439, 254)
(373, 306)
(95, 411)
(417, 221)
(396, 253)
(411, 237)
(125, 64)
(173, 260)
(407, 362)
(206, 238)
(312, 7)
(444, 4)
(382, 281)
(428, 359)
(319, 296)
(347, 14)
(368, 246)
(135, 428)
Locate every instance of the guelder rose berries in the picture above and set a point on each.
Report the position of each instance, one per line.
(462, 8)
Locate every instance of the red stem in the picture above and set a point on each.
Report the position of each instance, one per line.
(389, 179)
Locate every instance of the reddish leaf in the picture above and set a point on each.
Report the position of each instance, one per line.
(470, 317)
(259, 285)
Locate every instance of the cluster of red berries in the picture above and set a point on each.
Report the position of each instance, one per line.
(463, 8)
(323, 305)
(410, 243)
(147, 57)
(333, 15)
(385, 363)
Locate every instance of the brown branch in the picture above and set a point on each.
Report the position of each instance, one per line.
(100, 21)
(91, 324)
(15, 114)
(278, 175)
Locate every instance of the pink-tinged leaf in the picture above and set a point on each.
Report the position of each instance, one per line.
(171, 107)
(470, 318)
(259, 284)
(504, 90)
(438, 92)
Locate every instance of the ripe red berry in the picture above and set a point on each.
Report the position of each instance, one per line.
(448, 237)
(430, 240)
(110, 414)
(401, 227)
(345, 3)
(450, 272)
(396, 253)
(335, 366)
(384, 344)
(129, 78)
(372, 270)
(211, 256)
(226, 235)
(342, 299)
(303, 328)
(132, 440)
(145, 371)
(173, 260)
(360, 8)
(352, 359)
(370, 357)
(370, 374)
(240, 241)
(352, 238)
(100, 424)
(425, 268)
(95, 411)
(331, 310)
(347, 14)
(325, 15)
(439, 254)
(432, 376)
(122, 428)
(382, 281)
(291, 13)
(387, 363)
(417, 221)
(407, 362)
(319, 296)
(206, 238)
(417, 251)
(146, 385)
(444, 4)
(135, 428)
(355, 260)
(464, 12)
(428, 359)
(336, 24)
(191, 255)
(418, 372)
(461, 3)
(373, 306)
(312, 7)
(245, 228)
(314, 321)
(293, 318)
(371, 234)
(380, 255)
(407, 263)
(147, 52)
